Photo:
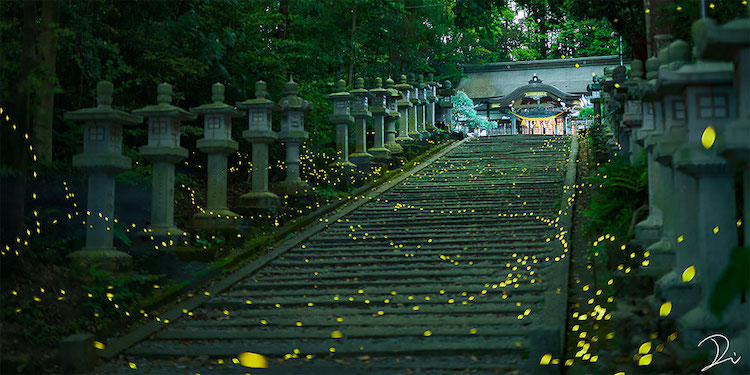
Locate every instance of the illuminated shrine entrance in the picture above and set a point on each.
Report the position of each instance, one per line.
(537, 108)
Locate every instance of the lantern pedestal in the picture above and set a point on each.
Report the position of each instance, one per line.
(99, 249)
(293, 184)
(260, 197)
(342, 145)
(162, 198)
(360, 156)
(216, 215)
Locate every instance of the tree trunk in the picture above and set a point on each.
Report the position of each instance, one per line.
(352, 52)
(42, 129)
(15, 146)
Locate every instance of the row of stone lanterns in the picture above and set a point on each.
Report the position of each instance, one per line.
(102, 155)
(411, 104)
(102, 159)
(694, 121)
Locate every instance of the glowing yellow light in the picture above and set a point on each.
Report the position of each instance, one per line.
(708, 137)
(252, 360)
(645, 360)
(688, 274)
(545, 359)
(336, 335)
(427, 333)
(645, 348)
(99, 345)
(680, 239)
(132, 365)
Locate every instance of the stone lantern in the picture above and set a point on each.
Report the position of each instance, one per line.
(416, 102)
(404, 103)
(648, 231)
(709, 98)
(661, 222)
(729, 42)
(379, 111)
(595, 88)
(446, 104)
(422, 113)
(390, 118)
(163, 151)
(682, 187)
(431, 99)
(260, 134)
(293, 133)
(101, 160)
(360, 101)
(341, 118)
(217, 142)
(632, 118)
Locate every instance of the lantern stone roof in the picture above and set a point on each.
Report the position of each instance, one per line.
(716, 42)
(679, 73)
(389, 85)
(104, 111)
(218, 106)
(431, 80)
(447, 89)
(412, 80)
(164, 108)
(402, 85)
(378, 89)
(291, 101)
(341, 93)
(262, 99)
(359, 88)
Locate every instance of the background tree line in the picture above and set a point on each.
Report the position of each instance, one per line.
(54, 52)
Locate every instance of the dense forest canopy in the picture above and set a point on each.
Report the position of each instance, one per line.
(54, 52)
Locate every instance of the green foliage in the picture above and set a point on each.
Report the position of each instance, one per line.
(126, 290)
(556, 29)
(619, 189)
(586, 112)
(734, 281)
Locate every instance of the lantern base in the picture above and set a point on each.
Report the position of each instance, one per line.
(215, 219)
(380, 153)
(394, 148)
(107, 259)
(341, 165)
(171, 231)
(259, 199)
(295, 187)
(361, 158)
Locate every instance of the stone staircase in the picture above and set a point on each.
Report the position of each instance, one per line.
(445, 272)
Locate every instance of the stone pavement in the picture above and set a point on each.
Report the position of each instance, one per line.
(443, 273)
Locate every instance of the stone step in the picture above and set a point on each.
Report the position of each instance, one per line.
(354, 346)
(234, 302)
(348, 281)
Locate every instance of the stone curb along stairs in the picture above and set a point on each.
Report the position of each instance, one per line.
(548, 337)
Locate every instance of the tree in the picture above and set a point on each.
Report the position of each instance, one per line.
(463, 110)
